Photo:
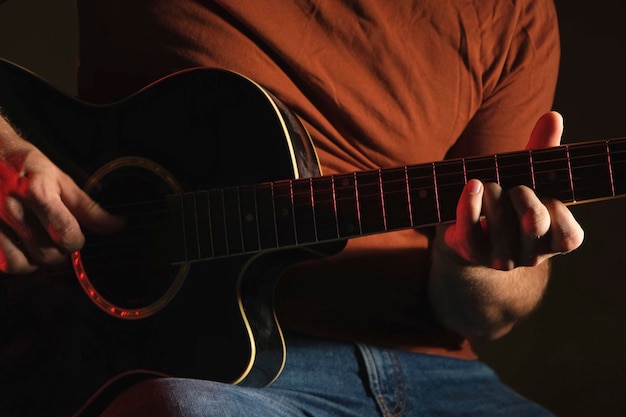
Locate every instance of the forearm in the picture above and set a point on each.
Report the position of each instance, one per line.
(483, 303)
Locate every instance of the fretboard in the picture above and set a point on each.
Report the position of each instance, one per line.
(288, 213)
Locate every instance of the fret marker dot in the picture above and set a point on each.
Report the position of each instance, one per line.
(422, 194)
(284, 212)
(345, 182)
(249, 218)
(552, 176)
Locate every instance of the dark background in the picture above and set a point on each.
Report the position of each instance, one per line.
(569, 355)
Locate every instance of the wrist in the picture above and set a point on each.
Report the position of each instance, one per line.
(479, 302)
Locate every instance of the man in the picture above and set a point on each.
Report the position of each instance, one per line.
(376, 85)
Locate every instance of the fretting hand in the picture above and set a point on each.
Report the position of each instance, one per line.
(489, 267)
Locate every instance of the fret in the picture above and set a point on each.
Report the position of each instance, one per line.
(178, 252)
(325, 215)
(591, 174)
(569, 171)
(346, 205)
(204, 225)
(266, 217)
(421, 187)
(369, 202)
(515, 169)
(382, 199)
(232, 216)
(303, 209)
(395, 198)
(618, 165)
(248, 218)
(450, 183)
(533, 175)
(283, 206)
(436, 188)
(408, 195)
(192, 250)
(218, 223)
(608, 159)
(552, 174)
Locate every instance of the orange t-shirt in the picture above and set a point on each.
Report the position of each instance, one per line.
(377, 84)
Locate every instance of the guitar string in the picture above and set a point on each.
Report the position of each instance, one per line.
(538, 172)
(306, 194)
(400, 170)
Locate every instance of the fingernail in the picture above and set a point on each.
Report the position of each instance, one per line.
(474, 186)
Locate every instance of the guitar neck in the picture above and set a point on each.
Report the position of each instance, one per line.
(247, 219)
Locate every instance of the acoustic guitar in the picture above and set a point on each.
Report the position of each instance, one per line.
(221, 189)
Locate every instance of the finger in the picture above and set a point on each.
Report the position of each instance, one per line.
(13, 260)
(59, 224)
(503, 227)
(89, 213)
(28, 235)
(565, 232)
(534, 220)
(469, 209)
(547, 131)
(466, 236)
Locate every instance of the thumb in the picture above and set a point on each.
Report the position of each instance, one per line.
(89, 213)
(547, 131)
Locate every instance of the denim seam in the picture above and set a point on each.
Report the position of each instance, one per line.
(373, 372)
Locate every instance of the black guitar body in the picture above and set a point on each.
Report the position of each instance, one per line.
(173, 311)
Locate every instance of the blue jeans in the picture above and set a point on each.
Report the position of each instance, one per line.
(329, 378)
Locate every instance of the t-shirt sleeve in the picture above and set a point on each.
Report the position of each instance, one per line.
(519, 88)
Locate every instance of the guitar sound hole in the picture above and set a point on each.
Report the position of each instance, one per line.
(132, 268)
